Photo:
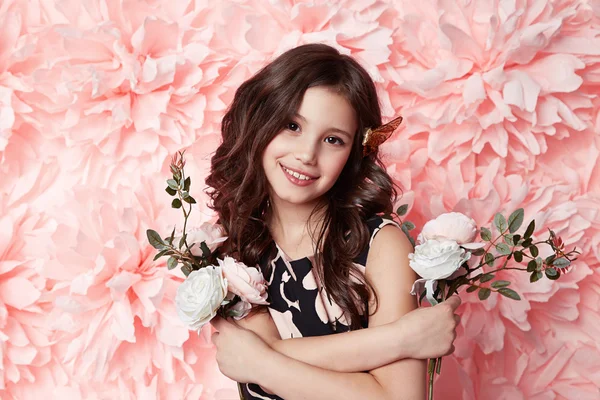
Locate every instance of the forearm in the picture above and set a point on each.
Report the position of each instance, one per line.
(292, 379)
(371, 348)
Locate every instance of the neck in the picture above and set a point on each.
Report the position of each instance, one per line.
(290, 222)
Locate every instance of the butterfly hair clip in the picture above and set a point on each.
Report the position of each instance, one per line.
(374, 137)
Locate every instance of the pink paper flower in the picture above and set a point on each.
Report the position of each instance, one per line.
(110, 288)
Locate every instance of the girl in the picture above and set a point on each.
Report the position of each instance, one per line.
(298, 197)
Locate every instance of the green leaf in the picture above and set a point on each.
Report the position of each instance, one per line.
(160, 254)
(529, 230)
(535, 276)
(176, 203)
(186, 185)
(531, 266)
(500, 222)
(172, 184)
(550, 259)
(402, 210)
(511, 294)
(515, 220)
(534, 250)
(205, 249)
(561, 263)
(484, 293)
(471, 289)
(181, 181)
(182, 240)
(539, 263)
(172, 263)
(155, 240)
(485, 234)
(527, 242)
(503, 249)
(508, 239)
(477, 252)
(551, 273)
(490, 259)
(516, 239)
(500, 284)
(486, 277)
(171, 191)
(172, 237)
(185, 194)
(518, 256)
(409, 225)
(190, 200)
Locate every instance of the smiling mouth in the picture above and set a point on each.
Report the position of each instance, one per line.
(297, 175)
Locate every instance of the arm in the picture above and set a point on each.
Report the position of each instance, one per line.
(372, 347)
(292, 379)
(381, 343)
(388, 271)
(243, 356)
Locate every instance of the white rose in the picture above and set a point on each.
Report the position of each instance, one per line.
(211, 234)
(451, 226)
(437, 259)
(199, 297)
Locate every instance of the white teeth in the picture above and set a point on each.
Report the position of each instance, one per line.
(296, 175)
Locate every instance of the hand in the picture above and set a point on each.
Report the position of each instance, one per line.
(238, 350)
(429, 332)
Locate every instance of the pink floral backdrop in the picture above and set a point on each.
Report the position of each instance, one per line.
(501, 102)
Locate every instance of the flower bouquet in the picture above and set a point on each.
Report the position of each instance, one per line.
(215, 283)
(446, 244)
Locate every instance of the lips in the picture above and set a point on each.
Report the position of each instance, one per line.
(298, 174)
(298, 178)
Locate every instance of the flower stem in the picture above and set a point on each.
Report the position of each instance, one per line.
(430, 373)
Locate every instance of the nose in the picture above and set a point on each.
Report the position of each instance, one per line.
(306, 151)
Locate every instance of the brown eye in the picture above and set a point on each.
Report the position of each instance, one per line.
(292, 126)
(334, 140)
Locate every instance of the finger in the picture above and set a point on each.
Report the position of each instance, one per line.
(454, 302)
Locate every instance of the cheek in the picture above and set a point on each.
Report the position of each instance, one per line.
(274, 149)
(336, 164)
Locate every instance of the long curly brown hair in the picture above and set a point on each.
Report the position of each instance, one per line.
(238, 187)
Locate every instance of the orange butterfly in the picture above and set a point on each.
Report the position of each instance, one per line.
(373, 138)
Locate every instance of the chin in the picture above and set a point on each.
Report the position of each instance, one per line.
(295, 198)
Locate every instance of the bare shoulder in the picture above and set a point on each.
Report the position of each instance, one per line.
(389, 244)
(389, 272)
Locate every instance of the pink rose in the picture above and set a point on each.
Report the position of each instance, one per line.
(451, 226)
(246, 282)
(211, 234)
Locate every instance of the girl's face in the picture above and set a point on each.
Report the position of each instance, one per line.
(306, 158)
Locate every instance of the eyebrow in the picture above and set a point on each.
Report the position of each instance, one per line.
(337, 130)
